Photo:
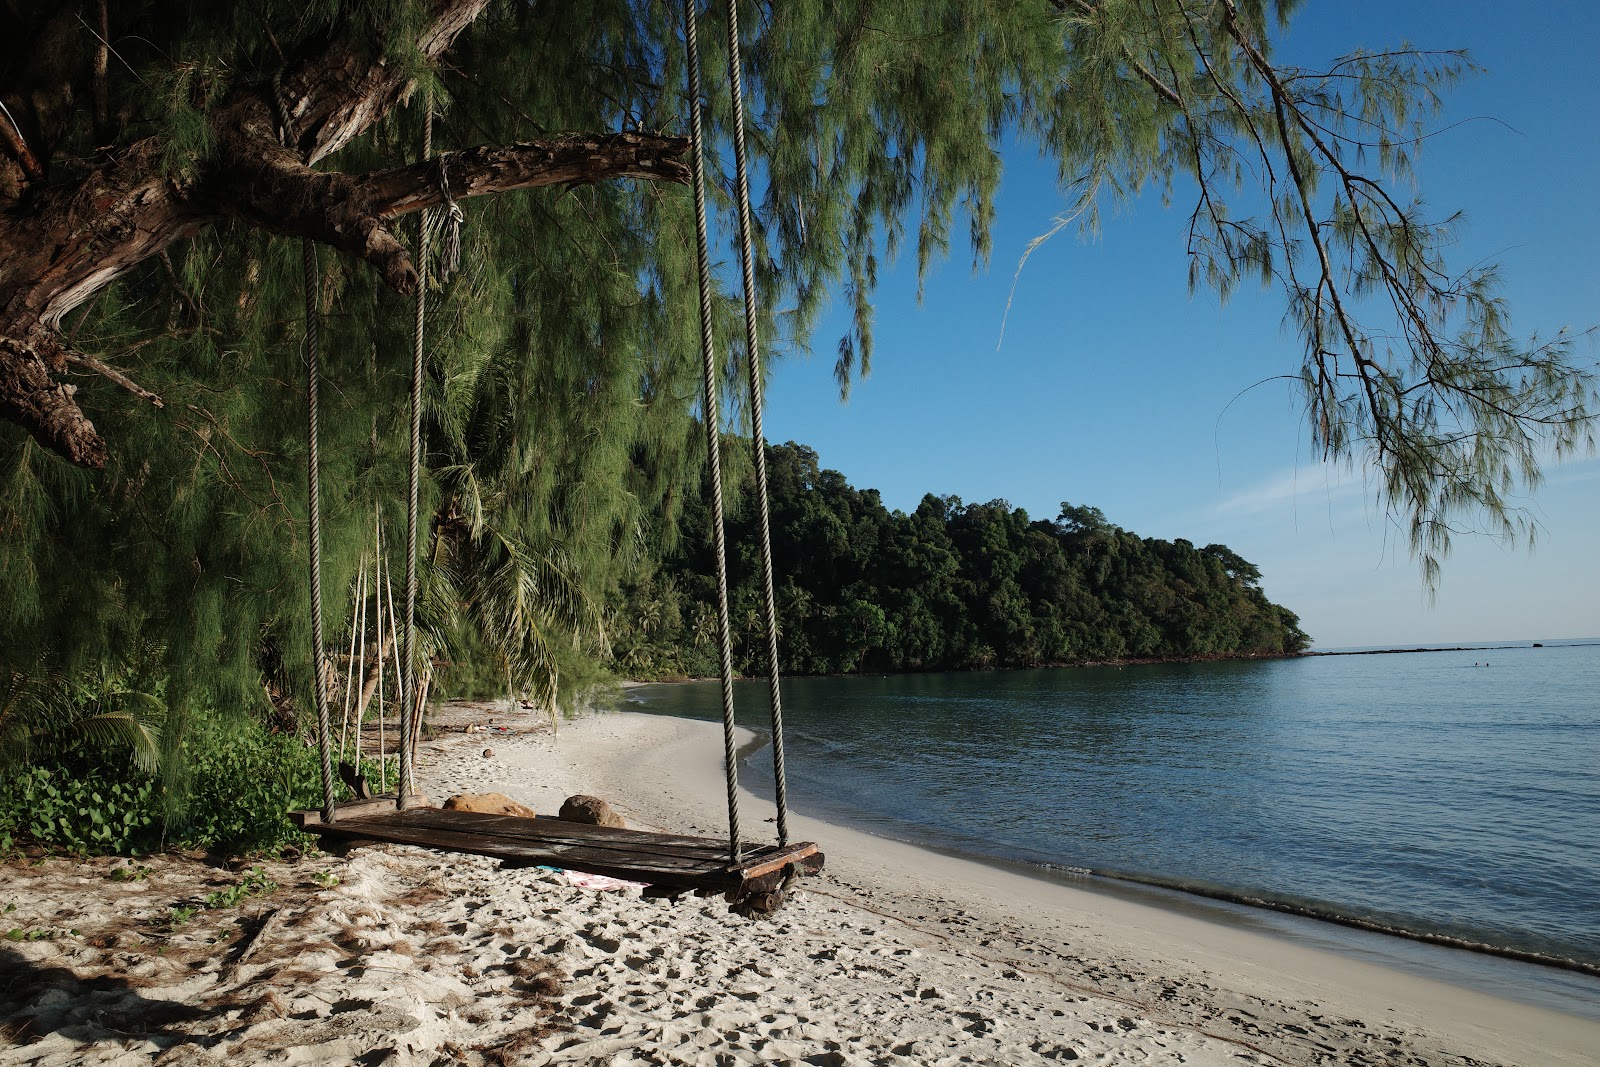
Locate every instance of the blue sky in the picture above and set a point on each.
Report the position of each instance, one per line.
(1114, 387)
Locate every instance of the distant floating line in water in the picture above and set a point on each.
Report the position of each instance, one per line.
(1455, 648)
(1330, 915)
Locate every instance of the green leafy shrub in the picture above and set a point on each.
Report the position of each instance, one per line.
(130, 873)
(244, 781)
(93, 812)
(38, 934)
(240, 784)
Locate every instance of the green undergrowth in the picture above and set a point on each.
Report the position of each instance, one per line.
(239, 782)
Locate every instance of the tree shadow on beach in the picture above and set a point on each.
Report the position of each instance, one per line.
(38, 999)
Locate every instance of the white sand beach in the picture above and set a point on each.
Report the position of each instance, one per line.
(894, 955)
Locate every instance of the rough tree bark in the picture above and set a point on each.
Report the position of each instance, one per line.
(60, 244)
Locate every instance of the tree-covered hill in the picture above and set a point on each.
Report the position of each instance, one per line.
(948, 586)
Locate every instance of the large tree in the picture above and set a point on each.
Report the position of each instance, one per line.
(151, 153)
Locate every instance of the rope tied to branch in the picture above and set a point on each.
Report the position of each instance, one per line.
(447, 224)
(287, 129)
(288, 136)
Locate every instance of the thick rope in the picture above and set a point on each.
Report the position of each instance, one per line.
(409, 711)
(758, 439)
(288, 135)
(711, 415)
(308, 255)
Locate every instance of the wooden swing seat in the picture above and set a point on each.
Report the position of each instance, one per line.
(668, 864)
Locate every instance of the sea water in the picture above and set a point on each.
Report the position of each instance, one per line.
(1452, 795)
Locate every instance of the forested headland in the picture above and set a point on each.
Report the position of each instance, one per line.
(949, 586)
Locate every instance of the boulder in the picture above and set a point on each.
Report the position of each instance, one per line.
(590, 810)
(489, 804)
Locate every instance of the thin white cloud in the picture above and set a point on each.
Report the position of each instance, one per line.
(1322, 481)
(1577, 469)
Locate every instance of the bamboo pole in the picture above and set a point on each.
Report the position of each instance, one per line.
(357, 637)
(383, 752)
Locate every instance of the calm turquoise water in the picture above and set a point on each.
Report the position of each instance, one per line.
(1419, 792)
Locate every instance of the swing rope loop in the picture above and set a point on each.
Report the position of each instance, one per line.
(289, 136)
(308, 262)
(450, 226)
(712, 414)
(409, 711)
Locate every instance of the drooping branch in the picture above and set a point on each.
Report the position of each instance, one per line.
(76, 238)
(1408, 367)
(107, 371)
(1087, 10)
(353, 213)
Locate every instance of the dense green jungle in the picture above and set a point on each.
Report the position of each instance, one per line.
(950, 586)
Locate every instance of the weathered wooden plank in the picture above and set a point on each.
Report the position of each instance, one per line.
(673, 860)
(756, 859)
(555, 855)
(481, 822)
(555, 851)
(780, 859)
(638, 867)
(484, 822)
(556, 831)
(349, 809)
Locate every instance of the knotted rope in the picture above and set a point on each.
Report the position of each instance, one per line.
(448, 225)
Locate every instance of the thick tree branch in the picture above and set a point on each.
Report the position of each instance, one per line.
(77, 238)
(32, 397)
(353, 214)
(565, 159)
(282, 195)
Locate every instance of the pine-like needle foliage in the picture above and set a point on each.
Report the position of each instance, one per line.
(1410, 367)
(564, 353)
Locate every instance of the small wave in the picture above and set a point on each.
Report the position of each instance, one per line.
(1068, 869)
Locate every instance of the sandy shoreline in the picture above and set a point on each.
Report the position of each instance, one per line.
(895, 955)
